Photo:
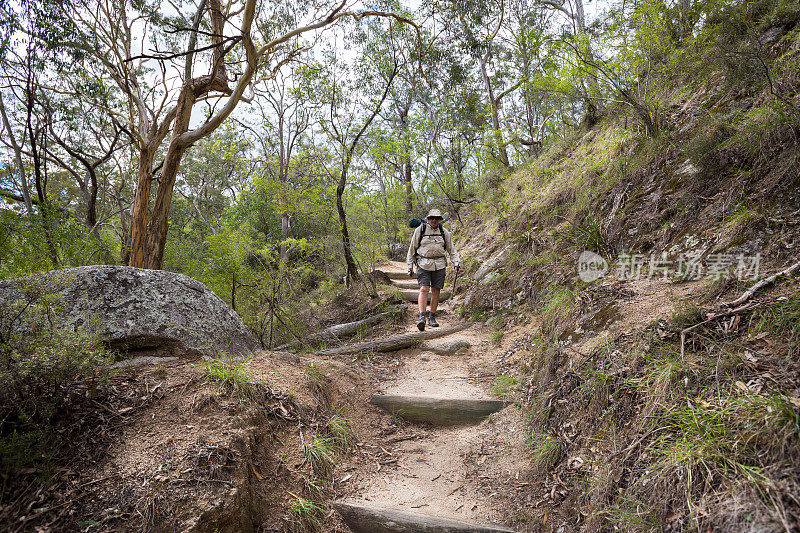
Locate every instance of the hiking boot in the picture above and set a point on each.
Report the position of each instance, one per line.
(421, 322)
(432, 320)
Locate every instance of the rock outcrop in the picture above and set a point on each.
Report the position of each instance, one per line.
(139, 310)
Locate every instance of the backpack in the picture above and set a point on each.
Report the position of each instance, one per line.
(416, 222)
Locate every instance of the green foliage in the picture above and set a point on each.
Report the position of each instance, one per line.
(320, 453)
(25, 244)
(233, 376)
(306, 515)
(544, 452)
(42, 359)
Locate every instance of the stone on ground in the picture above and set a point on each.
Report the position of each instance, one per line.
(446, 347)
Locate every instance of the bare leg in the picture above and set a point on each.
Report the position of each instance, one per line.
(434, 299)
(423, 298)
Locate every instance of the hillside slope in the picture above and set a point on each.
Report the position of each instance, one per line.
(634, 420)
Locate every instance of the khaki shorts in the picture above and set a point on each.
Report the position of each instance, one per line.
(431, 278)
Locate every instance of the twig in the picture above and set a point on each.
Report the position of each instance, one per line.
(738, 310)
(763, 283)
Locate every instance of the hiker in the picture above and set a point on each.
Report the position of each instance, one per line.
(429, 248)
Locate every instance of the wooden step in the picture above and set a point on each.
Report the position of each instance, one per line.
(406, 283)
(439, 411)
(396, 342)
(411, 295)
(365, 518)
(395, 274)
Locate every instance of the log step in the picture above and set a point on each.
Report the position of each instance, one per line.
(411, 295)
(396, 342)
(406, 283)
(439, 411)
(364, 518)
(396, 274)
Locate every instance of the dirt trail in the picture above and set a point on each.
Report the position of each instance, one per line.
(436, 472)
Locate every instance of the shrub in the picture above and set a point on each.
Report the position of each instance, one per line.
(42, 359)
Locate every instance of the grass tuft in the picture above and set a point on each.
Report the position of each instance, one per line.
(587, 236)
(317, 378)
(340, 431)
(306, 515)
(687, 314)
(559, 303)
(232, 376)
(503, 384)
(545, 450)
(782, 318)
(320, 455)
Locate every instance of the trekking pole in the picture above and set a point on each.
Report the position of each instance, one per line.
(455, 282)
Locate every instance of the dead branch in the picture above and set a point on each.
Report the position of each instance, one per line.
(761, 284)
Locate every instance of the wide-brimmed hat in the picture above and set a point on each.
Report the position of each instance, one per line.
(435, 213)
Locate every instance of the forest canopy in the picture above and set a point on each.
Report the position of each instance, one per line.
(275, 149)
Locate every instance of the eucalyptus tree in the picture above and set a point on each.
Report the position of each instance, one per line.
(84, 143)
(477, 26)
(29, 53)
(287, 115)
(405, 94)
(355, 94)
(209, 57)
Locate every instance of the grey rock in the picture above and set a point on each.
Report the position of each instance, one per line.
(490, 265)
(447, 347)
(399, 252)
(162, 313)
(425, 357)
(143, 361)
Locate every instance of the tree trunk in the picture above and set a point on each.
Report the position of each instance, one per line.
(26, 193)
(159, 221)
(40, 179)
(286, 230)
(494, 104)
(459, 169)
(137, 238)
(352, 270)
(405, 159)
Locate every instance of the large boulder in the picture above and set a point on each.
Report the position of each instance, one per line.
(141, 310)
(399, 252)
